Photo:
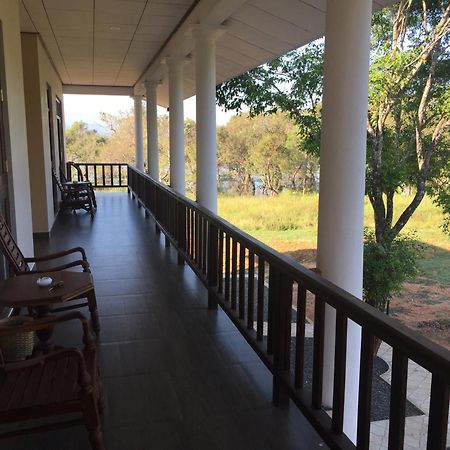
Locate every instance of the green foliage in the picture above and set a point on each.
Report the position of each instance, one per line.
(386, 269)
(265, 150)
(83, 144)
(291, 84)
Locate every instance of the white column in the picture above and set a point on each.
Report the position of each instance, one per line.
(176, 124)
(205, 81)
(138, 132)
(342, 178)
(152, 130)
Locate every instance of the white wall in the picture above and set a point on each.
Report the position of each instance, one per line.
(19, 181)
(38, 74)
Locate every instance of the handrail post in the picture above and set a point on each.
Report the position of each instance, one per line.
(213, 254)
(281, 301)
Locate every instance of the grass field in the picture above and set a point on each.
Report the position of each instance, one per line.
(288, 222)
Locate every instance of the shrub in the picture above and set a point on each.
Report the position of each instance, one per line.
(387, 267)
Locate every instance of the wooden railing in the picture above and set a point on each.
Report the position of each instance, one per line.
(256, 285)
(101, 175)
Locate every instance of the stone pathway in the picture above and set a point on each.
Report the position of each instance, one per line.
(418, 392)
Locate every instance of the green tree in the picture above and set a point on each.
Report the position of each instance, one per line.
(233, 149)
(190, 154)
(265, 148)
(409, 106)
(83, 144)
(121, 144)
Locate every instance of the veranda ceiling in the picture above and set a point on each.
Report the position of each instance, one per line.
(121, 42)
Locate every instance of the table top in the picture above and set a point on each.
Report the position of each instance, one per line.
(22, 291)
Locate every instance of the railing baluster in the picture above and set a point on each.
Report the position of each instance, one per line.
(365, 389)
(319, 331)
(233, 273)
(438, 417)
(103, 176)
(204, 247)
(260, 300)
(300, 336)
(201, 234)
(398, 400)
(280, 301)
(274, 281)
(220, 265)
(251, 290)
(181, 238)
(213, 247)
(193, 234)
(340, 355)
(197, 239)
(188, 232)
(241, 281)
(227, 267)
(111, 175)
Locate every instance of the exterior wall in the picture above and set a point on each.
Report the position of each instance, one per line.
(16, 140)
(38, 75)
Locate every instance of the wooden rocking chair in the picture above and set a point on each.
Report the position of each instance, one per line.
(75, 197)
(19, 264)
(64, 381)
(84, 182)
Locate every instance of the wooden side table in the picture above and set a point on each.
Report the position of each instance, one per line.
(23, 292)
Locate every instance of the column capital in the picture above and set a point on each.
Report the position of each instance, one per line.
(176, 61)
(136, 96)
(151, 86)
(202, 32)
(151, 83)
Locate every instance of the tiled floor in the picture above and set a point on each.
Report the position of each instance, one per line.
(177, 376)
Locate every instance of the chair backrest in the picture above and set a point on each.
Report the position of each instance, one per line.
(79, 171)
(11, 250)
(58, 181)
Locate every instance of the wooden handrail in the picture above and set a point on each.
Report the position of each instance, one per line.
(217, 251)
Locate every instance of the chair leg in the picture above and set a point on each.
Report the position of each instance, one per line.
(92, 304)
(94, 200)
(92, 421)
(101, 394)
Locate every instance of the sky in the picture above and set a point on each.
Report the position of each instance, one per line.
(88, 107)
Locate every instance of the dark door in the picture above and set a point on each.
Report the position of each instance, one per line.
(52, 147)
(60, 134)
(4, 198)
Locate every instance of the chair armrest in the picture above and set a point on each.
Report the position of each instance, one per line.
(50, 321)
(79, 262)
(58, 255)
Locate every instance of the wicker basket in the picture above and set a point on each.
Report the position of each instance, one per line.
(16, 347)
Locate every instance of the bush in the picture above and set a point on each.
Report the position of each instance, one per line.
(386, 268)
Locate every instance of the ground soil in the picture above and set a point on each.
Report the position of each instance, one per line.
(423, 305)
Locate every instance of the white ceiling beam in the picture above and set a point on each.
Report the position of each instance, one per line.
(97, 90)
